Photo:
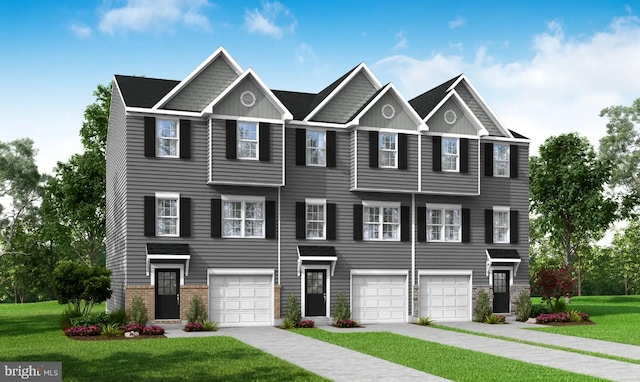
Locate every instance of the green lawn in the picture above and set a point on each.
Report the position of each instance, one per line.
(442, 360)
(31, 332)
(616, 319)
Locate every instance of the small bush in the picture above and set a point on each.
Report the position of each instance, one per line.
(138, 311)
(483, 307)
(539, 309)
(287, 324)
(523, 306)
(341, 311)
(69, 313)
(210, 326)
(293, 310)
(425, 321)
(84, 331)
(346, 324)
(194, 327)
(562, 317)
(559, 306)
(133, 328)
(197, 311)
(98, 319)
(495, 319)
(305, 324)
(574, 316)
(118, 317)
(152, 330)
(111, 330)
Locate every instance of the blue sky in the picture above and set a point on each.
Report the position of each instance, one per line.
(544, 68)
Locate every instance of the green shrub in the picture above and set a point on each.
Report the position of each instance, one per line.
(138, 311)
(425, 321)
(523, 306)
(287, 324)
(559, 306)
(341, 311)
(81, 285)
(483, 307)
(118, 317)
(197, 312)
(69, 313)
(112, 330)
(574, 316)
(539, 309)
(293, 310)
(210, 326)
(495, 319)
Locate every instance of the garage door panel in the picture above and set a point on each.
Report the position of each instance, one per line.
(379, 298)
(445, 297)
(237, 300)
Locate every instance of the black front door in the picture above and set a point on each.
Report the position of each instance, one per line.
(316, 292)
(167, 294)
(501, 291)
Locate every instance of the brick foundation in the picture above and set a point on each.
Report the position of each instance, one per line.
(276, 300)
(147, 292)
(187, 293)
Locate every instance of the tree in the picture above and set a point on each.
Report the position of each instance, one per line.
(621, 146)
(626, 255)
(81, 286)
(553, 284)
(567, 194)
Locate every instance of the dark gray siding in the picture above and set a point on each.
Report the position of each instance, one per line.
(447, 183)
(345, 104)
(387, 178)
(231, 104)
(479, 112)
(245, 171)
(401, 120)
(116, 240)
(462, 125)
(205, 87)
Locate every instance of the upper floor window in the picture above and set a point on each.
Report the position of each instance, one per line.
(243, 217)
(500, 160)
(450, 154)
(316, 148)
(388, 150)
(381, 221)
(247, 140)
(443, 223)
(167, 214)
(316, 219)
(501, 224)
(167, 142)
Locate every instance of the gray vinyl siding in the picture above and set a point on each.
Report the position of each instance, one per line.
(477, 110)
(263, 107)
(116, 188)
(342, 107)
(462, 125)
(387, 178)
(244, 171)
(401, 119)
(205, 87)
(352, 159)
(447, 183)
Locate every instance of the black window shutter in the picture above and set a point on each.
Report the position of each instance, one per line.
(270, 223)
(149, 215)
(513, 161)
(464, 155)
(402, 152)
(437, 153)
(231, 139)
(373, 149)
(301, 147)
(331, 221)
(422, 223)
(185, 217)
(357, 221)
(331, 148)
(185, 139)
(264, 142)
(488, 159)
(216, 218)
(405, 223)
(149, 137)
(466, 225)
(301, 220)
(488, 226)
(513, 227)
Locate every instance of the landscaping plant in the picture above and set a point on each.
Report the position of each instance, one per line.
(341, 311)
(495, 319)
(112, 330)
(306, 324)
(523, 306)
(425, 321)
(553, 284)
(346, 324)
(197, 311)
(483, 307)
(138, 311)
(80, 285)
(210, 326)
(293, 310)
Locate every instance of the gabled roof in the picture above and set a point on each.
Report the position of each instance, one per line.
(426, 102)
(388, 88)
(324, 93)
(298, 103)
(142, 91)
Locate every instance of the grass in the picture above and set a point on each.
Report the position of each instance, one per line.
(31, 332)
(616, 319)
(442, 360)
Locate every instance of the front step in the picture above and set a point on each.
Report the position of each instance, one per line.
(320, 321)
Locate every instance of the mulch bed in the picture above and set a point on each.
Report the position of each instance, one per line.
(569, 323)
(115, 338)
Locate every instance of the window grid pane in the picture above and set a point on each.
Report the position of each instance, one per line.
(315, 221)
(166, 138)
(247, 140)
(449, 154)
(500, 226)
(501, 160)
(167, 217)
(387, 150)
(316, 148)
(381, 223)
(443, 225)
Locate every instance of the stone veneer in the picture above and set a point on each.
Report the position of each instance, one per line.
(514, 293)
(276, 301)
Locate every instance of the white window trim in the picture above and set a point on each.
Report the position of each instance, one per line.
(167, 196)
(238, 140)
(382, 205)
(381, 150)
(324, 138)
(508, 168)
(443, 208)
(322, 202)
(244, 200)
(152, 271)
(508, 234)
(177, 138)
(443, 154)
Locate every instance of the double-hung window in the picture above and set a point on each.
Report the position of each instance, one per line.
(444, 223)
(167, 138)
(501, 224)
(316, 148)
(167, 214)
(450, 154)
(388, 150)
(243, 217)
(500, 160)
(316, 218)
(247, 140)
(381, 221)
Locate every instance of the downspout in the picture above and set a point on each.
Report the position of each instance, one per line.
(413, 252)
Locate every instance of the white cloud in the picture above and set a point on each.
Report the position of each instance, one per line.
(155, 15)
(272, 20)
(457, 22)
(401, 42)
(81, 31)
(304, 53)
(560, 89)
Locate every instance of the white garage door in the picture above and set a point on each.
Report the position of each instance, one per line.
(236, 300)
(378, 299)
(445, 297)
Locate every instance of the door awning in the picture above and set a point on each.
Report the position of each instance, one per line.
(497, 256)
(167, 252)
(318, 253)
